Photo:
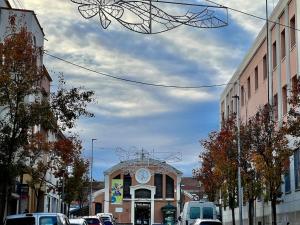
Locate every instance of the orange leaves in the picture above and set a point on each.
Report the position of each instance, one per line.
(67, 149)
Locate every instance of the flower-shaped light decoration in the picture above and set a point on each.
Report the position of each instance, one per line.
(143, 16)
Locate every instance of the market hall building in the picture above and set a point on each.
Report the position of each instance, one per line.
(142, 191)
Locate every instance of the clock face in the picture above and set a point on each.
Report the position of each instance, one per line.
(142, 175)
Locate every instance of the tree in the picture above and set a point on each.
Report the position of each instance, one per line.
(293, 121)
(73, 182)
(270, 153)
(24, 109)
(251, 183)
(220, 164)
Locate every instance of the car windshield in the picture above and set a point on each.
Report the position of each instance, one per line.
(194, 212)
(48, 220)
(105, 218)
(92, 220)
(21, 221)
(208, 213)
(210, 223)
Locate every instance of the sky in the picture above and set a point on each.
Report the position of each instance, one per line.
(167, 122)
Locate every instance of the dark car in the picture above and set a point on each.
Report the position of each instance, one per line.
(92, 220)
(107, 222)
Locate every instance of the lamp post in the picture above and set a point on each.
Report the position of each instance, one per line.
(91, 191)
(239, 160)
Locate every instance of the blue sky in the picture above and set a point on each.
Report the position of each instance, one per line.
(133, 116)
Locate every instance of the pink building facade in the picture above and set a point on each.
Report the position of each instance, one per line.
(262, 77)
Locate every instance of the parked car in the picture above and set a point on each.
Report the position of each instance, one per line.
(207, 222)
(105, 215)
(92, 220)
(197, 210)
(37, 219)
(78, 221)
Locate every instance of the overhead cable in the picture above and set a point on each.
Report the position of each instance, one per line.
(133, 81)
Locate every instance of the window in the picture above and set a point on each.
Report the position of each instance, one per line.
(294, 83)
(256, 77)
(292, 31)
(274, 55)
(21, 221)
(287, 181)
(249, 87)
(282, 39)
(169, 187)
(231, 106)
(284, 100)
(195, 212)
(265, 69)
(48, 220)
(126, 186)
(242, 96)
(143, 193)
(158, 183)
(297, 168)
(275, 107)
(208, 213)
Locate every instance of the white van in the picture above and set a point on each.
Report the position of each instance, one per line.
(197, 210)
(37, 219)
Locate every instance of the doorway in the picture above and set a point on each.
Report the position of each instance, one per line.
(142, 213)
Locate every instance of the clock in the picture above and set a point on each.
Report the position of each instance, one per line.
(142, 175)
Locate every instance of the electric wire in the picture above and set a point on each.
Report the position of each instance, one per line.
(130, 80)
(252, 15)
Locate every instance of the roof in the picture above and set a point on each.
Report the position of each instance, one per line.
(141, 162)
(46, 73)
(26, 11)
(189, 183)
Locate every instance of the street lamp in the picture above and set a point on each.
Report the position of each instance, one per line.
(239, 159)
(91, 191)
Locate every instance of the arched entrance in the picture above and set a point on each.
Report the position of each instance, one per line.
(142, 205)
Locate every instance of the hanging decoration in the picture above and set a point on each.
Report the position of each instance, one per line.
(153, 16)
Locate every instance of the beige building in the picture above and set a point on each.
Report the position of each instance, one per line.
(263, 78)
(149, 188)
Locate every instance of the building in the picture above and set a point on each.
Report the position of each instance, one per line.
(23, 197)
(148, 188)
(261, 79)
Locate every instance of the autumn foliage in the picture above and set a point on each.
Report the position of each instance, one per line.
(264, 158)
(32, 120)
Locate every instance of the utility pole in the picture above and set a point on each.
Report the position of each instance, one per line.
(91, 181)
(239, 160)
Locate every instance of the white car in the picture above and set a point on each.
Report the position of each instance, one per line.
(79, 221)
(207, 222)
(37, 219)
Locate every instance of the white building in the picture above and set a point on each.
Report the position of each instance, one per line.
(23, 198)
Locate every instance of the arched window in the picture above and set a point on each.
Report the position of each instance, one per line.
(169, 187)
(142, 193)
(158, 183)
(126, 186)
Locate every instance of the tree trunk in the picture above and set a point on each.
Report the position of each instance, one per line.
(69, 206)
(233, 216)
(4, 195)
(273, 205)
(251, 211)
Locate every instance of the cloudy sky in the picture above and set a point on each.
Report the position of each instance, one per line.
(131, 116)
